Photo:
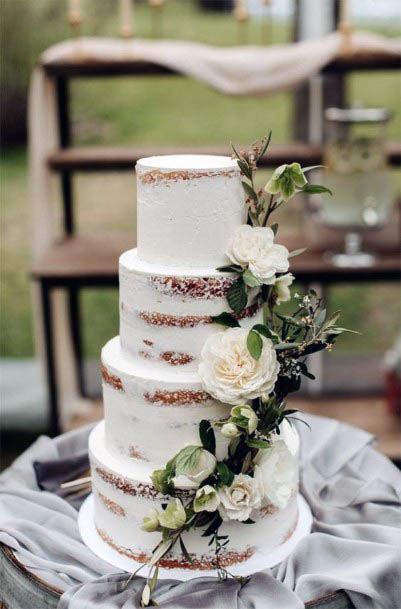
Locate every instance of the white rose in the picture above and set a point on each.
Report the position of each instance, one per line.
(254, 248)
(193, 465)
(238, 500)
(230, 373)
(277, 473)
(282, 287)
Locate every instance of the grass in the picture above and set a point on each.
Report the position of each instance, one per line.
(156, 111)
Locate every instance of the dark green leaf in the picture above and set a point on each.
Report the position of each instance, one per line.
(246, 170)
(315, 189)
(246, 463)
(236, 296)
(225, 474)
(207, 437)
(226, 319)
(254, 343)
(185, 551)
(265, 331)
(314, 348)
(285, 346)
(230, 268)
(249, 521)
(274, 228)
(249, 191)
(213, 527)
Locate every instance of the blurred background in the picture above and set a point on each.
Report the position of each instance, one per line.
(360, 381)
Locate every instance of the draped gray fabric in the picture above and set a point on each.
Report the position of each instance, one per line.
(354, 493)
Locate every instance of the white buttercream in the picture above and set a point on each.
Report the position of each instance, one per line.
(187, 222)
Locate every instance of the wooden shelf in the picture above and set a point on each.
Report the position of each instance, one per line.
(124, 158)
(89, 259)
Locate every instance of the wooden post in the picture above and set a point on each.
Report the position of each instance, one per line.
(242, 17)
(75, 16)
(127, 18)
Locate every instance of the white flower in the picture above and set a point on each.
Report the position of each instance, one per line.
(239, 499)
(230, 430)
(193, 464)
(230, 373)
(150, 522)
(289, 435)
(206, 499)
(277, 473)
(173, 517)
(282, 287)
(254, 248)
(244, 416)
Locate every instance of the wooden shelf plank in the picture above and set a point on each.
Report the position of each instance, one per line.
(124, 158)
(95, 259)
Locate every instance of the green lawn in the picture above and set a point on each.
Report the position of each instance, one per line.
(156, 111)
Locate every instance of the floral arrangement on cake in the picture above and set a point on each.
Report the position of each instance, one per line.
(253, 371)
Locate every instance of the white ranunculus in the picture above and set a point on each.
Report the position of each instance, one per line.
(229, 372)
(239, 500)
(282, 287)
(254, 248)
(191, 471)
(277, 473)
(206, 499)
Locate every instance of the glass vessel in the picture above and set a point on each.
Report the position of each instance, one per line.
(358, 177)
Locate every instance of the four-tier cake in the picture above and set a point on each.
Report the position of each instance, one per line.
(188, 208)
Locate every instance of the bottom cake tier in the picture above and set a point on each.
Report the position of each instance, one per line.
(123, 494)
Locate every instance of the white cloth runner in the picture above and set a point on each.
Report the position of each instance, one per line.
(354, 493)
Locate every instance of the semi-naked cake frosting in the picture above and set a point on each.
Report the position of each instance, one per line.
(188, 207)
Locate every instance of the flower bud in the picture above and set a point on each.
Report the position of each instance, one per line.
(151, 522)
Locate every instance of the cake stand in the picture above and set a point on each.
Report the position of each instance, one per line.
(258, 562)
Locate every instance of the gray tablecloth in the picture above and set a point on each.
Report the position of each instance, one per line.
(354, 493)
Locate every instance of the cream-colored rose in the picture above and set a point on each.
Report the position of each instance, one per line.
(239, 500)
(206, 499)
(193, 465)
(282, 288)
(229, 372)
(254, 248)
(277, 473)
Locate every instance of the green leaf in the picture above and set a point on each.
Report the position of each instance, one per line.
(253, 443)
(160, 551)
(207, 436)
(246, 463)
(230, 268)
(237, 154)
(236, 296)
(250, 279)
(249, 191)
(225, 474)
(315, 189)
(285, 346)
(161, 482)
(320, 318)
(311, 167)
(332, 320)
(274, 228)
(294, 253)
(153, 581)
(246, 170)
(214, 525)
(266, 332)
(187, 459)
(265, 146)
(314, 348)
(254, 343)
(226, 319)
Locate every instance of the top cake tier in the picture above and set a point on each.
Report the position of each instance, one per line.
(188, 208)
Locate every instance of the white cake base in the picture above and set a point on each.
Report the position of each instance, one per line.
(258, 562)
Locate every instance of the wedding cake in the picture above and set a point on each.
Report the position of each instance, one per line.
(155, 387)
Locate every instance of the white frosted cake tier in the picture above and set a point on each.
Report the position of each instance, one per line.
(151, 416)
(123, 494)
(165, 317)
(188, 207)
